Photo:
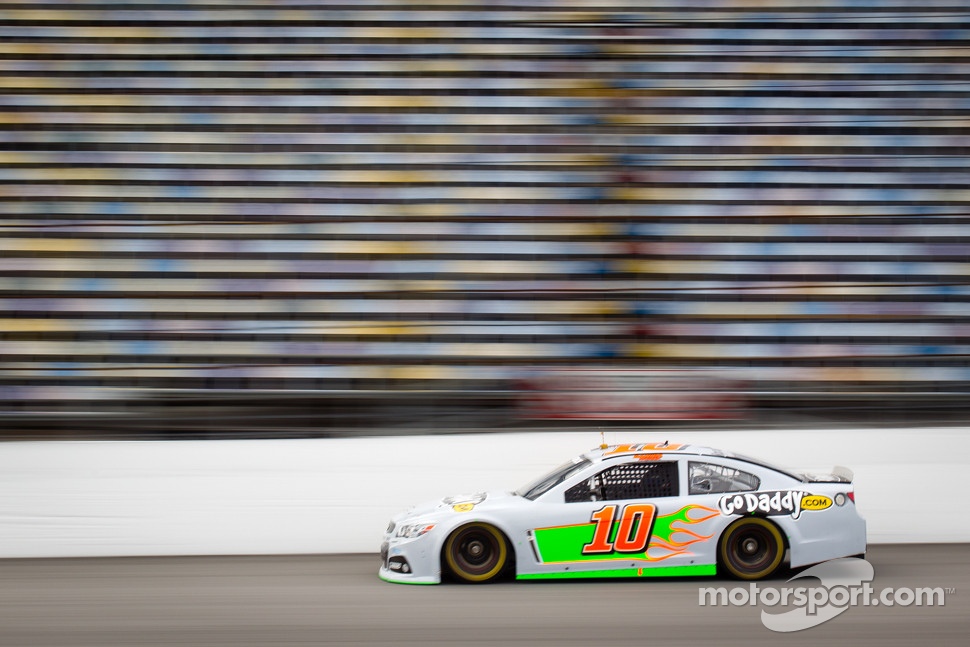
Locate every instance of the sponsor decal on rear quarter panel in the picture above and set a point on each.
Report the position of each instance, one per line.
(782, 502)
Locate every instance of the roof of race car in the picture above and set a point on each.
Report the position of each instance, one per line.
(654, 450)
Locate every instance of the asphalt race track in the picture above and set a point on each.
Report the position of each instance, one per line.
(338, 600)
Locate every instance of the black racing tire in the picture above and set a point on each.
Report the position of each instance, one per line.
(476, 553)
(751, 548)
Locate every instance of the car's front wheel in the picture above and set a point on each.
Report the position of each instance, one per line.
(476, 552)
(751, 548)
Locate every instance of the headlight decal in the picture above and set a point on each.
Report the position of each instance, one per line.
(413, 530)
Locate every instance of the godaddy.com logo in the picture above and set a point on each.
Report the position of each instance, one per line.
(844, 583)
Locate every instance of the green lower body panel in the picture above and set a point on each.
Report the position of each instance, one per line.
(404, 581)
(655, 571)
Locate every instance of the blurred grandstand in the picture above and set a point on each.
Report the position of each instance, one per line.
(262, 217)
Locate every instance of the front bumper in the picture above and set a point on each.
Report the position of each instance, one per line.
(410, 561)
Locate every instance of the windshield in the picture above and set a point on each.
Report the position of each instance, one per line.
(543, 484)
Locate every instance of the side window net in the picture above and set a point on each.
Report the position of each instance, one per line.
(629, 481)
(707, 478)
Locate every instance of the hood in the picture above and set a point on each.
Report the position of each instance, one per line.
(458, 503)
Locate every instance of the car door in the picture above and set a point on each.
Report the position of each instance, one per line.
(624, 517)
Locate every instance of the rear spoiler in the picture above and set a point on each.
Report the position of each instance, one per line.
(839, 474)
(844, 473)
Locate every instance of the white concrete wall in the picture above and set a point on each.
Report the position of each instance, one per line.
(336, 495)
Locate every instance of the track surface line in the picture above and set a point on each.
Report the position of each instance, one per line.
(338, 600)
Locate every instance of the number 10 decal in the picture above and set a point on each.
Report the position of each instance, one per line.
(633, 534)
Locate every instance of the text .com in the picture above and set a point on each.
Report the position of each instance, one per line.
(843, 583)
(814, 598)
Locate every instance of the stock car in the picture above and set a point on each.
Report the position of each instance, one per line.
(634, 510)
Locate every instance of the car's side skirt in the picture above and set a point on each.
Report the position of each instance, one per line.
(653, 571)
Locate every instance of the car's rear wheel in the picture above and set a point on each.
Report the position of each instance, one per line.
(751, 548)
(476, 552)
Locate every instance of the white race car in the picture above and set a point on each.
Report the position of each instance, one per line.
(648, 509)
